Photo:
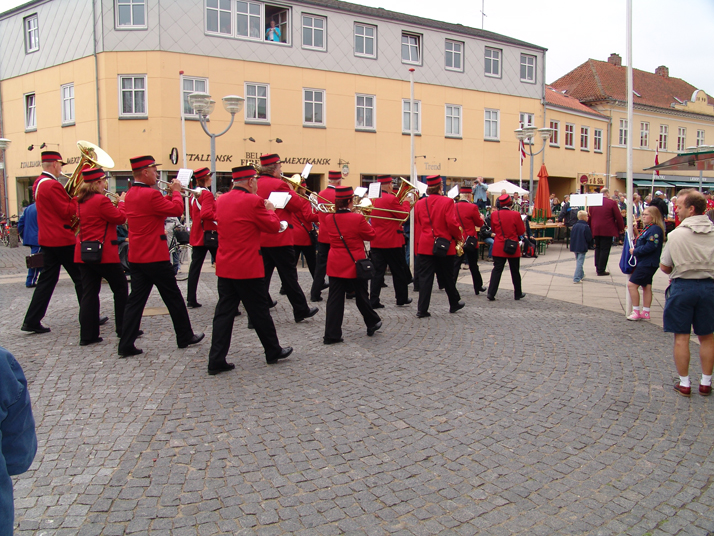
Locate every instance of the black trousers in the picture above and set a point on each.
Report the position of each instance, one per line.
(318, 278)
(444, 269)
(198, 255)
(255, 299)
(472, 259)
(514, 264)
(55, 258)
(394, 258)
(602, 252)
(92, 275)
(143, 278)
(283, 258)
(310, 255)
(335, 309)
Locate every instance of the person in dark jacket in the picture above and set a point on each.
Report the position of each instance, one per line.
(568, 215)
(18, 441)
(647, 249)
(606, 222)
(581, 238)
(661, 204)
(506, 224)
(27, 228)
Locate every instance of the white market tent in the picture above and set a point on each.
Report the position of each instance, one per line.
(496, 187)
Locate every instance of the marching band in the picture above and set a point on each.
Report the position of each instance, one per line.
(248, 237)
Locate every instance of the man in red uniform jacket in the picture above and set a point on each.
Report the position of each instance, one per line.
(327, 195)
(242, 218)
(387, 248)
(278, 251)
(605, 222)
(469, 217)
(203, 215)
(435, 217)
(55, 210)
(146, 210)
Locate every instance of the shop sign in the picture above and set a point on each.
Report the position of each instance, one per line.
(432, 167)
(38, 163)
(254, 158)
(196, 157)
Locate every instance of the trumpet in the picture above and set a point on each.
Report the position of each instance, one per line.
(185, 192)
(113, 197)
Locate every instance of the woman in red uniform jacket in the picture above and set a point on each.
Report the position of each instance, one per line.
(302, 225)
(506, 224)
(469, 218)
(203, 216)
(350, 229)
(98, 219)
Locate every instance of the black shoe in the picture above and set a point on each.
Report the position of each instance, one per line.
(423, 315)
(416, 289)
(139, 333)
(384, 285)
(130, 352)
(193, 305)
(312, 312)
(315, 298)
(195, 339)
(460, 305)
(491, 298)
(409, 300)
(285, 352)
(250, 324)
(39, 328)
(378, 306)
(520, 297)
(350, 296)
(328, 340)
(103, 320)
(282, 292)
(87, 343)
(238, 313)
(225, 367)
(482, 289)
(601, 274)
(274, 303)
(370, 331)
(325, 286)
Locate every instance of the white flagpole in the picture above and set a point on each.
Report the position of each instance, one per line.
(630, 106)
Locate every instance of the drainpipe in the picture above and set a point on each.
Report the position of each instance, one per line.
(96, 68)
(543, 100)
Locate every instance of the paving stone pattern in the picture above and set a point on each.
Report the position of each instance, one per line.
(532, 417)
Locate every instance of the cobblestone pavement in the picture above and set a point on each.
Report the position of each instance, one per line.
(511, 417)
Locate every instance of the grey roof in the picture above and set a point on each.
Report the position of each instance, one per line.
(381, 13)
(21, 7)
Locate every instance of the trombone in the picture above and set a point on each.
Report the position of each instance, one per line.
(365, 207)
(185, 192)
(326, 206)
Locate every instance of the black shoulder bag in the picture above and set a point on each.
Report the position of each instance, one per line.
(441, 245)
(364, 267)
(470, 244)
(509, 246)
(312, 233)
(90, 251)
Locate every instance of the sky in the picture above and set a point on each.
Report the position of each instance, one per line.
(678, 37)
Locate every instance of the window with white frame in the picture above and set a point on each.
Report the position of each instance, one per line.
(492, 62)
(584, 138)
(365, 40)
(313, 32)
(491, 130)
(132, 91)
(365, 112)
(622, 135)
(257, 103)
(663, 135)
(597, 140)
(555, 134)
(570, 136)
(130, 14)
(528, 64)
(30, 116)
(411, 48)
(192, 85)
(32, 33)
(453, 120)
(644, 134)
(67, 93)
(454, 55)
(681, 138)
(248, 20)
(219, 16)
(700, 138)
(313, 107)
(526, 119)
(407, 115)
(276, 23)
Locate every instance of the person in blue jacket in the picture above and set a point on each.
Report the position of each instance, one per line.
(647, 249)
(581, 239)
(18, 442)
(27, 229)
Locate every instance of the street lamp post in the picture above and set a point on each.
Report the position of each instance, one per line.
(4, 144)
(527, 134)
(204, 106)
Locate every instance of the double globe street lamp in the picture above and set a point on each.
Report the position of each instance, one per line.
(527, 135)
(204, 106)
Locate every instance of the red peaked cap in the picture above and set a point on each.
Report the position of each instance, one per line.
(505, 200)
(140, 162)
(269, 159)
(52, 156)
(433, 180)
(344, 192)
(201, 173)
(92, 174)
(242, 173)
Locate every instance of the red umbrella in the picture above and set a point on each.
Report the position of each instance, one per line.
(541, 206)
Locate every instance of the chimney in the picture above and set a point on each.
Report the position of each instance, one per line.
(615, 59)
(662, 71)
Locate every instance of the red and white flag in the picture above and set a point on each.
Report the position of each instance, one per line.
(522, 151)
(657, 157)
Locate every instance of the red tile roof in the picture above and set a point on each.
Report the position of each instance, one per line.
(600, 80)
(556, 98)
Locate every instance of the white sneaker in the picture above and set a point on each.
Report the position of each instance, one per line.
(635, 315)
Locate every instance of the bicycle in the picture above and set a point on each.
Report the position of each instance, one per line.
(5, 224)
(183, 256)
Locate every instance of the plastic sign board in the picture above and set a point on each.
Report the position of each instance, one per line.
(586, 200)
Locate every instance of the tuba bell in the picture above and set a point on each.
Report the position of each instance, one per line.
(407, 189)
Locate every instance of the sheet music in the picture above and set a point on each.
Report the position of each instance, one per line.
(306, 171)
(375, 190)
(184, 175)
(279, 199)
(421, 187)
(360, 191)
(453, 192)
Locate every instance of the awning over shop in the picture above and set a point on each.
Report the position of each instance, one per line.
(648, 183)
(699, 159)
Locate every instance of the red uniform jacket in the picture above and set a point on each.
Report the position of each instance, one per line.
(303, 222)
(146, 211)
(607, 219)
(443, 222)
(329, 195)
(97, 214)
(203, 216)
(54, 211)
(355, 230)
(469, 217)
(512, 225)
(267, 185)
(389, 232)
(242, 218)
